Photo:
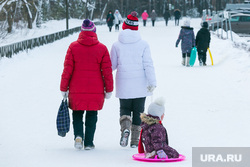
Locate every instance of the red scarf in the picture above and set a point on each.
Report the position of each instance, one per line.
(140, 146)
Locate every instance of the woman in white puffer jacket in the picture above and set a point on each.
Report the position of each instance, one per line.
(118, 19)
(135, 77)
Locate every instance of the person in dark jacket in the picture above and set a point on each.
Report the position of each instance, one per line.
(110, 20)
(154, 135)
(166, 16)
(202, 42)
(187, 42)
(153, 16)
(177, 16)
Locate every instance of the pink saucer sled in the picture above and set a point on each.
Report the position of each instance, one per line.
(141, 157)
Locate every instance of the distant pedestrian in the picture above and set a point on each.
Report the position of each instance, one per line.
(202, 43)
(177, 16)
(135, 78)
(86, 80)
(118, 19)
(144, 16)
(187, 42)
(166, 16)
(110, 20)
(153, 16)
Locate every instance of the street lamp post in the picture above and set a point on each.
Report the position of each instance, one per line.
(67, 14)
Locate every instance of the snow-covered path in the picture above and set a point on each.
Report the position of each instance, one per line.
(205, 106)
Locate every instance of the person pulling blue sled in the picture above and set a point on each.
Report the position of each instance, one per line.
(187, 39)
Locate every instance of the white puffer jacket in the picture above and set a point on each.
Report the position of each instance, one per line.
(118, 17)
(131, 57)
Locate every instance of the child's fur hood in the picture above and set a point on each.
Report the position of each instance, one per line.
(149, 119)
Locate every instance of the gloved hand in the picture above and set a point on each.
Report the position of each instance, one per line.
(151, 88)
(65, 94)
(150, 155)
(176, 45)
(161, 154)
(108, 95)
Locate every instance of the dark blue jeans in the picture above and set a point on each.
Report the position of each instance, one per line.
(133, 107)
(90, 126)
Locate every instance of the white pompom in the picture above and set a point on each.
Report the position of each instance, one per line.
(160, 101)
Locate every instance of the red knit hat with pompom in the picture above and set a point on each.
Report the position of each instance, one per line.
(131, 22)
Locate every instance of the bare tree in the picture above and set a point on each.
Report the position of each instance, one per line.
(18, 13)
(39, 13)
(10, 15)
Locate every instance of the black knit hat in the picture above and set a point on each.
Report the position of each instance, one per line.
(205, 25)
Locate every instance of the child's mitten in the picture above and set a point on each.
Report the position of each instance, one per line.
(161, 154)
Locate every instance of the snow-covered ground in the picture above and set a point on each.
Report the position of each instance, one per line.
(205, 106)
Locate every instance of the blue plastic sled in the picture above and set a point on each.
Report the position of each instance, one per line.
(193, 56)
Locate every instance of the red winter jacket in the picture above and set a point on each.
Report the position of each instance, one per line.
(87, 73)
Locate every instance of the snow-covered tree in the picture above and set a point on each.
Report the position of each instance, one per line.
(26, 13)
(18, 13)
(46, 10)
(39, 17)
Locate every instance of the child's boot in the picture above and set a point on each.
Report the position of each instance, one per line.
(183, 62)
(188, 61)
(135, 130)
(200, 62)
(125, 122)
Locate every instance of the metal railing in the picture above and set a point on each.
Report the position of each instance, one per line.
(11, 49)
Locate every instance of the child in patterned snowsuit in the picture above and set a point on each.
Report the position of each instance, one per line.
(154, 135)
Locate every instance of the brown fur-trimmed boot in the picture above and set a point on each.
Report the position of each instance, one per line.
(135, 133)
(125, 122)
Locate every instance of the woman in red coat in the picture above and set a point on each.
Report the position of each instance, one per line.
(87, 76)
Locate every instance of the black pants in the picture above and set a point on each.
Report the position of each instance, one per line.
(144, 22)
(166, 22)
(202, 56)
(184, 55)
(153, 23)
(134, 107)
(90, 126)
(110, 28)
(176, 22)
(117, 26)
